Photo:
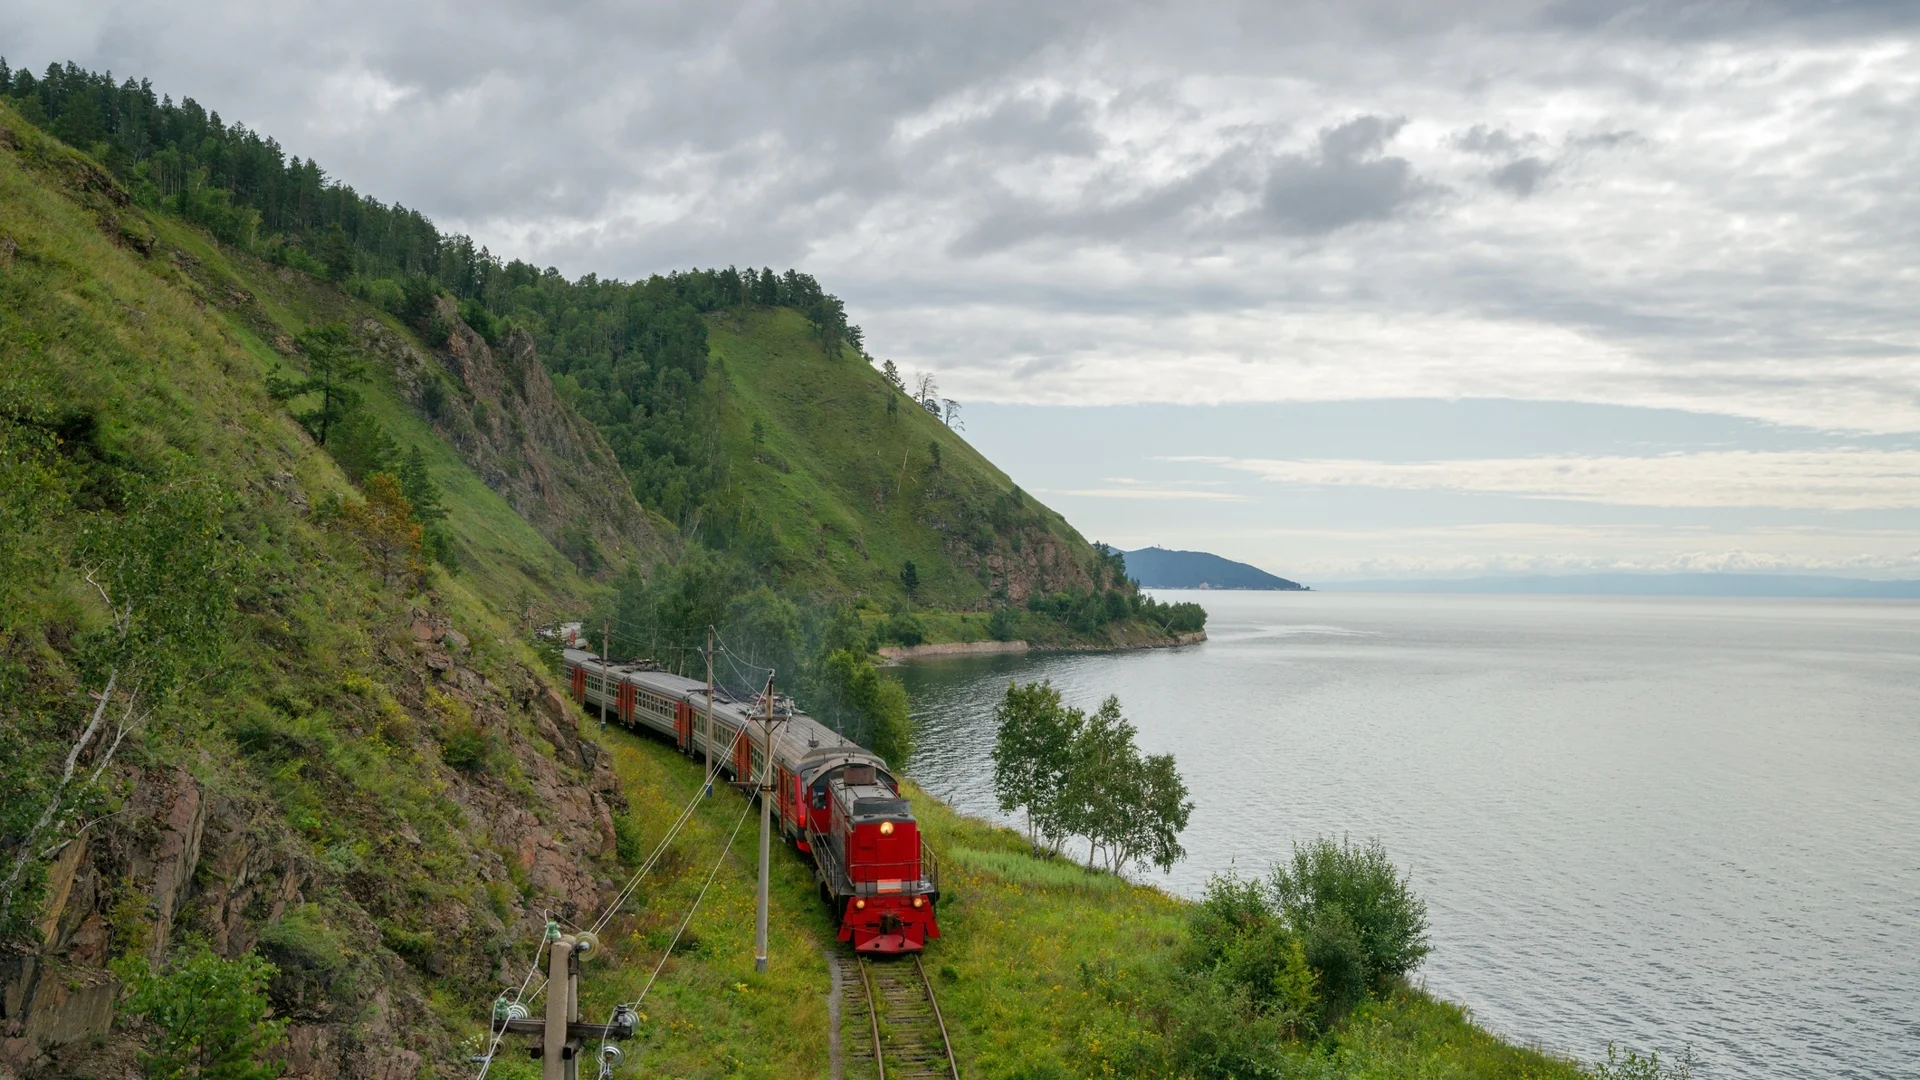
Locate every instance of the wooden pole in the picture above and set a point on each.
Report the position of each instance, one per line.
(572, 1055)
(709, 757)
(560, 986)
(766, 827)
(606, 658)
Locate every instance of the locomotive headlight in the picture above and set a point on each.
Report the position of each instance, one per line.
(919, 901)
(886, 828)
(859, 905)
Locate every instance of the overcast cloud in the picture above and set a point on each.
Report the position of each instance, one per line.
(1712, 206)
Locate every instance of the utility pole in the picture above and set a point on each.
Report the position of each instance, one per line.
(606, 659)
(561, 1034)
(766, 834)
(709, 755)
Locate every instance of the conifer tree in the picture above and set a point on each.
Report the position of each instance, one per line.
(333, 370)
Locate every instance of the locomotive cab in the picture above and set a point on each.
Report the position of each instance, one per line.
(879, 874)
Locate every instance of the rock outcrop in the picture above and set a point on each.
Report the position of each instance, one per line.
(497, 406)
(227, 867)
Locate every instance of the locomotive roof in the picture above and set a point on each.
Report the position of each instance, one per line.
(808, 746)
(875, 802)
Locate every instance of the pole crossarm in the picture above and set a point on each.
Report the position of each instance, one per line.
(625, 1026)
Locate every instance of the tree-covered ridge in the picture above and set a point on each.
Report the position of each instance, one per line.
(727, 396)
(632, 350)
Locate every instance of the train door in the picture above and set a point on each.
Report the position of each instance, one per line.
(580, 684)
(683, 725)
(743, 757)
(625, 708)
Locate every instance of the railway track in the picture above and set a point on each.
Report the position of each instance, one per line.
(907, 1038)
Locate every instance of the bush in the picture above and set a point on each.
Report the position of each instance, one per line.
(905, 628)
(1004, 624)
(628, 844)
(1635, 1067)
(210, 1015)
(1330, 888)
(467, 748)
(481, 320)
(1241, 940)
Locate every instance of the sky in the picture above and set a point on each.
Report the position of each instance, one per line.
(1369, 288)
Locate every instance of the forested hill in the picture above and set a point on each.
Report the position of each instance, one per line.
(742, 405)
(1161, 568)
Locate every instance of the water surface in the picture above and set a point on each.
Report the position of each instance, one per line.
(1666, 822)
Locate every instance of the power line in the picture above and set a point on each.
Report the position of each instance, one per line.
(725, 850)
(713, 769)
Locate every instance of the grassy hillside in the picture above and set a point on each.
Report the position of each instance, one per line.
(852, 489)
(261, 307)
(366, 778)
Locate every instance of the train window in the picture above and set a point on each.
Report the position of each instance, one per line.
(820, 797)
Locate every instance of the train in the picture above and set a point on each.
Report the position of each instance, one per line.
(835, 803)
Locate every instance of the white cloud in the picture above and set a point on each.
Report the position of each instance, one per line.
(1713, 207)
(1821, 480)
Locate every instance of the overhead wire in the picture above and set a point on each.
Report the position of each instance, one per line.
(686, 814)
(519, 997)
(666, 954)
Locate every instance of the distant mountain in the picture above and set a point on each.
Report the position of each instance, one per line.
(1159, 568)
(1690, 584)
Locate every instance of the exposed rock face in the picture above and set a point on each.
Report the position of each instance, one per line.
(1040, 565)
(498, 407)
(226, 867)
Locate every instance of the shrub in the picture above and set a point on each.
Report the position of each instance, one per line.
(1635, 1067)
(1239, 937)
(1330, 887)
(309, 961)
(905, 628)
(1331, 946)
(210, 1015)
(467, 747)
(1004, 624)
(628, 844)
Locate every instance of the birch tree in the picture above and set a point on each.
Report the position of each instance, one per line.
(164, 579)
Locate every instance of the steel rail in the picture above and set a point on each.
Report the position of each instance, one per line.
(953, 1064)
(873, 1018)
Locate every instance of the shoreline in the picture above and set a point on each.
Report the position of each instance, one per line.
(900, 654)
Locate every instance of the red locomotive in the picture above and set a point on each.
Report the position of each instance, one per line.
(834, 801)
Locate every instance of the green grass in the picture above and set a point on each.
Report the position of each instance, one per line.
(851, 489)
(1018, 934)
(709, 1013)
(502, 557)
(316, 742)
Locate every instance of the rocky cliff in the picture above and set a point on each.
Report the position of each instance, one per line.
(193, 853)
(497, 406)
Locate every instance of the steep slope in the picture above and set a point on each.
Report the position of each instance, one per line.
(853, 490)
(498, 407)
(490, 474)
(368, 780)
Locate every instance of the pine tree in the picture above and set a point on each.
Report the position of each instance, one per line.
(336, 253)
(333, 369)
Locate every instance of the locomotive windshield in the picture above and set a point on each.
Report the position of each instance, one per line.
(887, 808)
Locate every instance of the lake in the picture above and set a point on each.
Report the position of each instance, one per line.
(1662, 822)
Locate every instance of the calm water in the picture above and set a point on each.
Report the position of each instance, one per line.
(1664, 822)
